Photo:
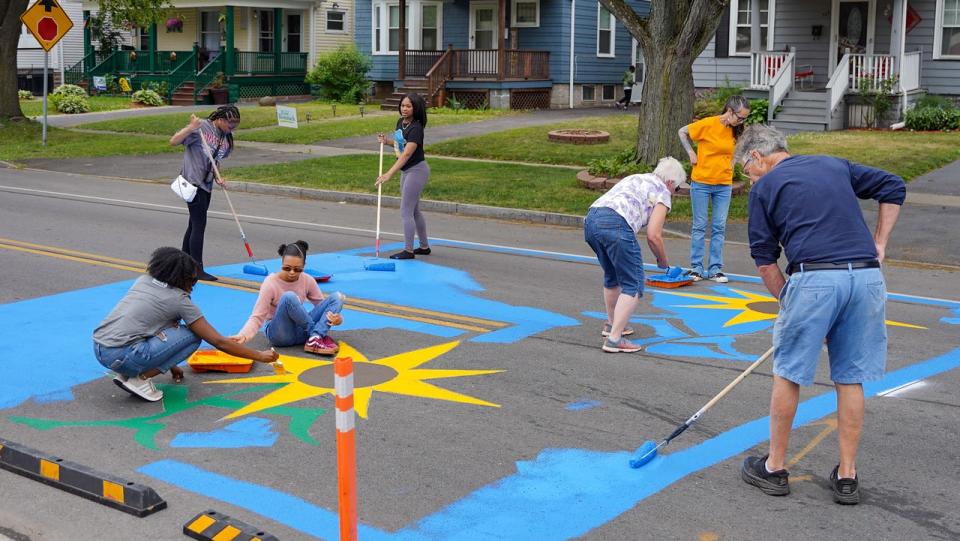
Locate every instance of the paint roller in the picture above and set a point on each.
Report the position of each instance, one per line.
(648, 451)
(377, 264)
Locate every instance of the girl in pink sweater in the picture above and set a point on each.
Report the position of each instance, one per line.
(280, 304)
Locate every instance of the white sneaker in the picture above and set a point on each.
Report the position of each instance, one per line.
(719, 278)
(144, 388)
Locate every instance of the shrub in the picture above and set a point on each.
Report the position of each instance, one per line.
(147, 97)
(620, 164)
(934, 100)
(879, 101)
(707, 106)
(932, 118)
(724, 92)
(24, 94)
(758, 112)
(70, 90)
(73, 104)
(342, 74)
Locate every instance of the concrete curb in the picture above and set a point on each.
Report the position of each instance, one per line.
(446, 207)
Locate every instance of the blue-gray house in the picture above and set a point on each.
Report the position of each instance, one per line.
(811, 56)
(517, 54)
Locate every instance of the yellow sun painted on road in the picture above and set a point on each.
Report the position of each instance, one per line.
(750, 307)
(398, 374)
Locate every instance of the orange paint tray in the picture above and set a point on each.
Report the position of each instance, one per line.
(212, 360)
(667, 283)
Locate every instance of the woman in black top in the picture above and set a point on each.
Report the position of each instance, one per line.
(217, 130)
(414, 173)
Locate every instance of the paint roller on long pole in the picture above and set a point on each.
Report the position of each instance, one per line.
(253, 267)
(377, 264)
(648, 451)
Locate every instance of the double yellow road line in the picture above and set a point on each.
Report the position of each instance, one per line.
(421, 315)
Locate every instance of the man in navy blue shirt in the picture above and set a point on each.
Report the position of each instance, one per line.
(808, 205)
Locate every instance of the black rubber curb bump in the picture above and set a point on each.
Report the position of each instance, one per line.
(127, 496)
(213, 526)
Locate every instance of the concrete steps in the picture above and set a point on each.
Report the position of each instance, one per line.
(802, 111)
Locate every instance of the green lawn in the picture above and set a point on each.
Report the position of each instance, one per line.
(531, 144)
(504, 185)
(252, 116)
(907, 154)
(352, 127)
(34, 107)
(22, 140)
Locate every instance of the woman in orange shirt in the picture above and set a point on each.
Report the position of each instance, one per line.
(711, 181)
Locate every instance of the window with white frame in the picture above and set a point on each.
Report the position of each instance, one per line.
(336, 21)
(423, 24)
(947, 36)
(430, 27)
(525, 13)
(606, 31)
(741, 12)
(265, 31)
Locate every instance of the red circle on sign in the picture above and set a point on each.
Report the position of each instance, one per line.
(47, 28)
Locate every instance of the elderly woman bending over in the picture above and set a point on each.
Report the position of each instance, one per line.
(611, 228)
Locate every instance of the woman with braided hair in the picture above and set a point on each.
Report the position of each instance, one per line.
(217, 130)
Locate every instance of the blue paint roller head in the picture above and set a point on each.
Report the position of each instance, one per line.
(674, 272)
(644, 454)
(259, 270)
(378, 265)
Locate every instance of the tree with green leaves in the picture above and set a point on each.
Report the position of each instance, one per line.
(134, 12)
(672, 36)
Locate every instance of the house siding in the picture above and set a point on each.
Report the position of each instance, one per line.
(552, 35)
(328, 41)
(936, 76)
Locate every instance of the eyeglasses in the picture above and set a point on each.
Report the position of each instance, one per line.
(741, 118)
(288, 268)
(746, 163)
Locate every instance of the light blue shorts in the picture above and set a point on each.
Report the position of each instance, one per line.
(617, 249)
(845, 307)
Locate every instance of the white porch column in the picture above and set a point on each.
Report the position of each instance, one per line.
(312, 47)
(755, 45)
(898, 33)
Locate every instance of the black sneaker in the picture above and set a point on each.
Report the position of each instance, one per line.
(845, 491)
(403, 254)
(754, 472)
(422, 251)
(207, 277)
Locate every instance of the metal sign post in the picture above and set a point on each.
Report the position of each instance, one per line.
(48, 23)
(46, 62)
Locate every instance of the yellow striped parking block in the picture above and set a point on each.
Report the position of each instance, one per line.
(109, 490)
(213, 526)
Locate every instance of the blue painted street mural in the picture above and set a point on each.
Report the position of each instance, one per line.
(516, 507)
(247, 432)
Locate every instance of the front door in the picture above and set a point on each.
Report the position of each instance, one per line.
(294, 33)
(483, 38)
(852, 28)
(210, 33)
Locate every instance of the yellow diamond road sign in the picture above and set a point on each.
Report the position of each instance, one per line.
(47, 21)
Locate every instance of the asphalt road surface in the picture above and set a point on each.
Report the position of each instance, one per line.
(489, 410)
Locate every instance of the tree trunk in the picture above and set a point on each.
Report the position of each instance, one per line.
(672, 35)
(10, 11)
(666, 105)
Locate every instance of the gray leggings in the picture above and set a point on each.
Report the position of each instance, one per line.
(412, 182)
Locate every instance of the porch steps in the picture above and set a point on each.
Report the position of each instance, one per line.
(183, 95)
(408, 86)
(802, 111)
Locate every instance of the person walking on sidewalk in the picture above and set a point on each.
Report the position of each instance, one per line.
(629, 78)
(611, 228)
(408, 140)
(217, 130)
(712, 182)
(836, 290)
(142, 336)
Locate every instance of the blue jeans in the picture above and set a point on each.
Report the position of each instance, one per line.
(702, 196)
(162, 353)
(617, 249)
(845, 307)
(293, 324)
